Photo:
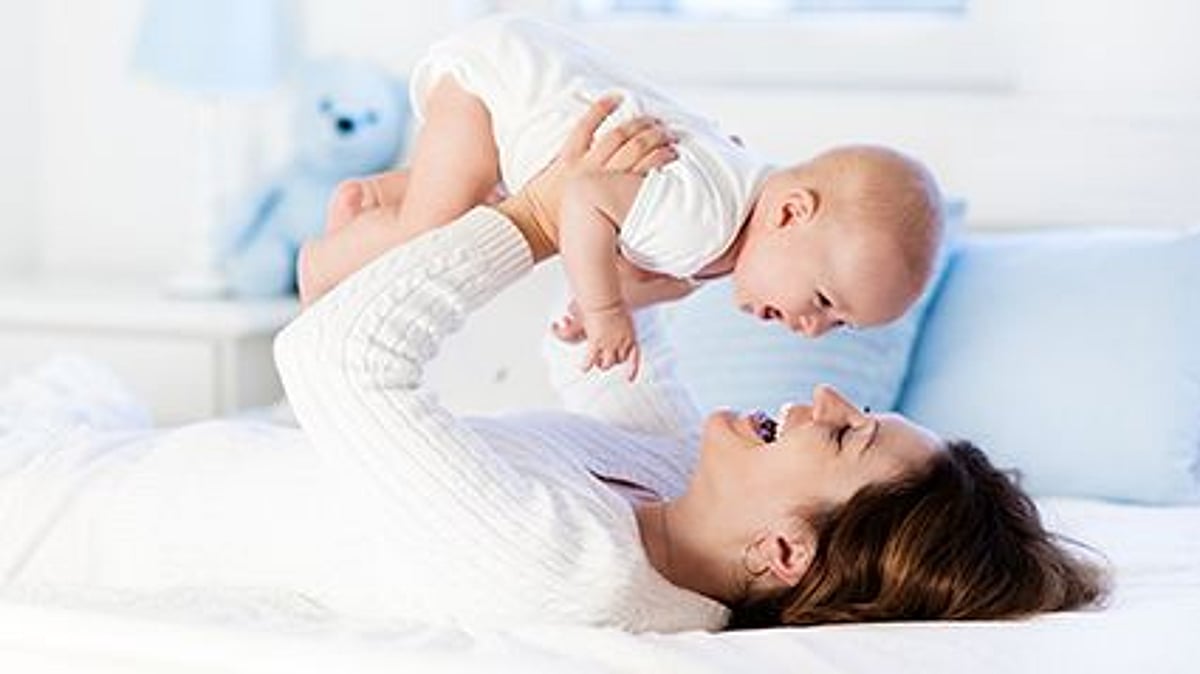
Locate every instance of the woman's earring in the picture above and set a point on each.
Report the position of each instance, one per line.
(746, 563)
(751, 574)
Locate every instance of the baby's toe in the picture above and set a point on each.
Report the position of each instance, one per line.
(345, 205)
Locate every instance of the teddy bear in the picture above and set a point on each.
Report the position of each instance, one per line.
(349, 118)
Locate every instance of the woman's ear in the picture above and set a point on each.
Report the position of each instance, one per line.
(785, 554)
(799, 206)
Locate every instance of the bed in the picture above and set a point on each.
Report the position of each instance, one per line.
(1101, 417)
(1149, 626)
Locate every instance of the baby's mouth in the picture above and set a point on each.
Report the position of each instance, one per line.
(764, 426)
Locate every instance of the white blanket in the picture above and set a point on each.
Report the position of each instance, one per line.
(1150, 627)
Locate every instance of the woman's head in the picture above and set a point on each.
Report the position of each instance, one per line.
(834, 514)
(760, 484)
(957, 540)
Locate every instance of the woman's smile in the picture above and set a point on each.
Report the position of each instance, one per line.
(764, 426)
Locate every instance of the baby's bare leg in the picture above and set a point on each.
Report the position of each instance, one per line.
(454, 167)
(455, 164)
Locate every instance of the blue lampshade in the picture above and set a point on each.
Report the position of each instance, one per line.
(217, 46)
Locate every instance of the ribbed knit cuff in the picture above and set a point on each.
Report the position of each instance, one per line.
(492, 236)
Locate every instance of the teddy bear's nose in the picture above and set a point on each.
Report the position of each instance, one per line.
(345, 125)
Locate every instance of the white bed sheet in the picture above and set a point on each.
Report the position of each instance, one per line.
(1152, 626)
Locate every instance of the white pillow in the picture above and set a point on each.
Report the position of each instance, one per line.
(1074, 358)
(727, 358)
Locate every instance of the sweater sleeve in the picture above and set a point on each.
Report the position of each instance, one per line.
(352, 364)
(656, 402)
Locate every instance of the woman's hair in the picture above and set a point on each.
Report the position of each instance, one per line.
(957, 541)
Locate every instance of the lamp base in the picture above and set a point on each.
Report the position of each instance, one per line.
(198, 284)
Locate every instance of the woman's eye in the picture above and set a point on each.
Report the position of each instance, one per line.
(823, 301)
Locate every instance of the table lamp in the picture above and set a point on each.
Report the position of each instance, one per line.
(218, 51)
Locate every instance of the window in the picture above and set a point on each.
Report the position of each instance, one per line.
(829, 43)
(739, 9)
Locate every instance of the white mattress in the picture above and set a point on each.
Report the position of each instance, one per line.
(1151, 627)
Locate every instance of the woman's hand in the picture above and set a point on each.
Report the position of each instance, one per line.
(637, 146)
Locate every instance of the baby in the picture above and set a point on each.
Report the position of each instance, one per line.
(846, 238)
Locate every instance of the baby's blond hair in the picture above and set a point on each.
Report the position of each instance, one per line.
(887, 190)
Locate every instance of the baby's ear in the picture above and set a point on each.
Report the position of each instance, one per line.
(799, 206)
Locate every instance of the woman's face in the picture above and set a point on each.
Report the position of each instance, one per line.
(809, 459)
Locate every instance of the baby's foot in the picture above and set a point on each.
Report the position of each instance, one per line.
(351, 198)
(325, 260)
(308, 284)
(345, 204)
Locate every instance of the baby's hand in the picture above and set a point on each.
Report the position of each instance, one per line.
(569, 327)
(611, 339)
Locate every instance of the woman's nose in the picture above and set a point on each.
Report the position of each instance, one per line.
(830, 405)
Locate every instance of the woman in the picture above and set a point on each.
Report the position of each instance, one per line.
(388, 505)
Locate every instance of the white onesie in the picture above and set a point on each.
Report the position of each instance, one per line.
(537, 81)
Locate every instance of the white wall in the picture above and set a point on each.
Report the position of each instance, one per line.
(19, 134)
(1102, 127)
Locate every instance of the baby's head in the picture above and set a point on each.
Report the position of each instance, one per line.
(847, 238)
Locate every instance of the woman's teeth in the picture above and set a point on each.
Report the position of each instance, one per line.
(764, 426)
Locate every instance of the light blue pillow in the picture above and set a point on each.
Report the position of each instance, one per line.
(1072, 357)
(727, 358)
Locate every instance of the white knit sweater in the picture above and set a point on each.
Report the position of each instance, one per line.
(512, 522)
(386, 505)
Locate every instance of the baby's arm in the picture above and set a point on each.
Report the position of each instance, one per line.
(639, 289)
(642, 288)
(593, 208)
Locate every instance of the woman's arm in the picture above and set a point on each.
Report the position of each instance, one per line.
(353, 363)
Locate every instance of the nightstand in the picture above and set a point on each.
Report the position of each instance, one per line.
(187, 359)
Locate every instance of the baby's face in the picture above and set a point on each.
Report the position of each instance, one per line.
(821, 275)
(843, 239)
